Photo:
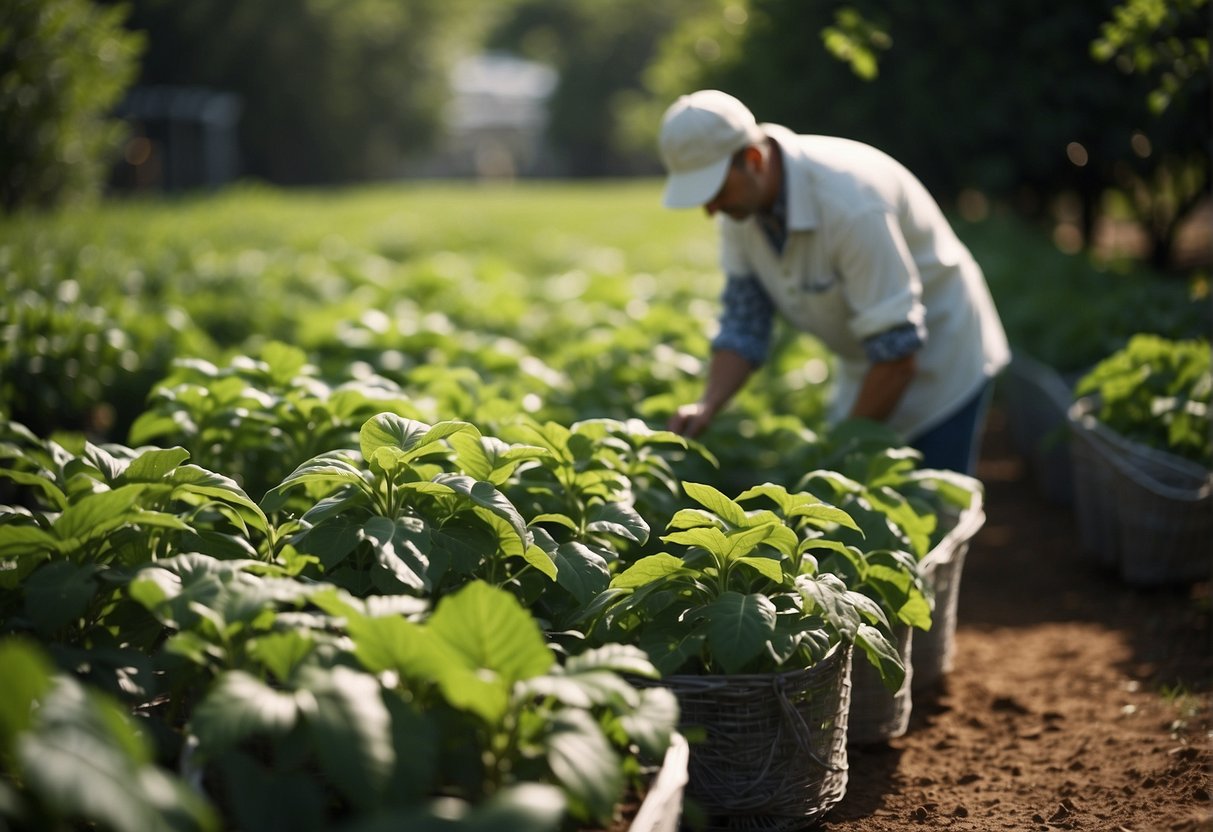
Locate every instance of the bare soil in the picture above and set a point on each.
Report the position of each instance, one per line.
(1076, 702)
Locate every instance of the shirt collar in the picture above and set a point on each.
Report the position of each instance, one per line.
(796, 200)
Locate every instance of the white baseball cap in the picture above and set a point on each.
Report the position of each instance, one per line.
(700, 133)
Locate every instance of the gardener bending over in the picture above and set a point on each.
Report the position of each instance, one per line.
(846, 244)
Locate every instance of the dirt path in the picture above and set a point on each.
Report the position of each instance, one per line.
(1075, 703)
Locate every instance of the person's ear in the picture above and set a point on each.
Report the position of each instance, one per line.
(754, 158)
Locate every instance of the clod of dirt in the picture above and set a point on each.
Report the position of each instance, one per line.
(1008, 703)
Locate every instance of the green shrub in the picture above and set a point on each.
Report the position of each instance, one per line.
(63, 66)
(1157, 391)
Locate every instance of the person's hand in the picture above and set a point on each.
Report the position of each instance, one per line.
(690, 420)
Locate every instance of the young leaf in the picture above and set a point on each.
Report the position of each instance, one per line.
(647, 570)
(716, 502)
(767, 567)
(154, 465)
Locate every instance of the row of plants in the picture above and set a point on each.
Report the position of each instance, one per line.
(433, 611)
(258, 652)
(361, 477)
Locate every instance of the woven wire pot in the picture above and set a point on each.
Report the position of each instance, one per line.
(1036, 399)
(1154, 510)
(878, 715)
(935, 649)
(773, 752)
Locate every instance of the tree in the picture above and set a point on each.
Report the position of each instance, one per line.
(1005, 100)
(600, 51)
(63, 65)
(331, 91)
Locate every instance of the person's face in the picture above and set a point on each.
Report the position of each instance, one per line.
(742, 194)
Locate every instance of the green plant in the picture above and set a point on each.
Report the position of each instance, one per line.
(258, 419)
(72, 757)
(1157, 391)
(467, 704)
(416, 509)
(743, 594)
(63, 65)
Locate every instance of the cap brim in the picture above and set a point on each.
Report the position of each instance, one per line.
(692, 188)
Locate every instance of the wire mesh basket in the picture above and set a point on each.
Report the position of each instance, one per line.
(768, 750)
(935, 649)
(1150, 513)
(878, 714)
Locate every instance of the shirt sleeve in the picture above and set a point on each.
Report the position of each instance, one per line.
(881, 280)
(746, 319)
(894, 343)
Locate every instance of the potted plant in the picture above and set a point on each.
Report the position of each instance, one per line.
(756, 642)
(1143, 457)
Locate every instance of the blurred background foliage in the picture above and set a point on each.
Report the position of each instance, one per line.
(1090, 110)
(64, 64)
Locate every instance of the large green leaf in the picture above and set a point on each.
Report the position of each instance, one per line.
(154, 465)
(822, 514)
(617, 519)
(388, 430)
(738, 627)
(84, 759)
(331, 471)
(395, 552)
(59, 593)
(652, 722)
(282, 652)
(694, 518)
(350, 731)
(58, 500)
(827, 594)
(580, 570)
(583, 761)
(27, 677)
(491, 630)
(883, 655)
(485, 495)
(21, 541)
(97, 514)
(767, 567)
(240, 705)
(191, 479)
(424, 658)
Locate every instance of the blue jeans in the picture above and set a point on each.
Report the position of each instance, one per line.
(955, 443)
